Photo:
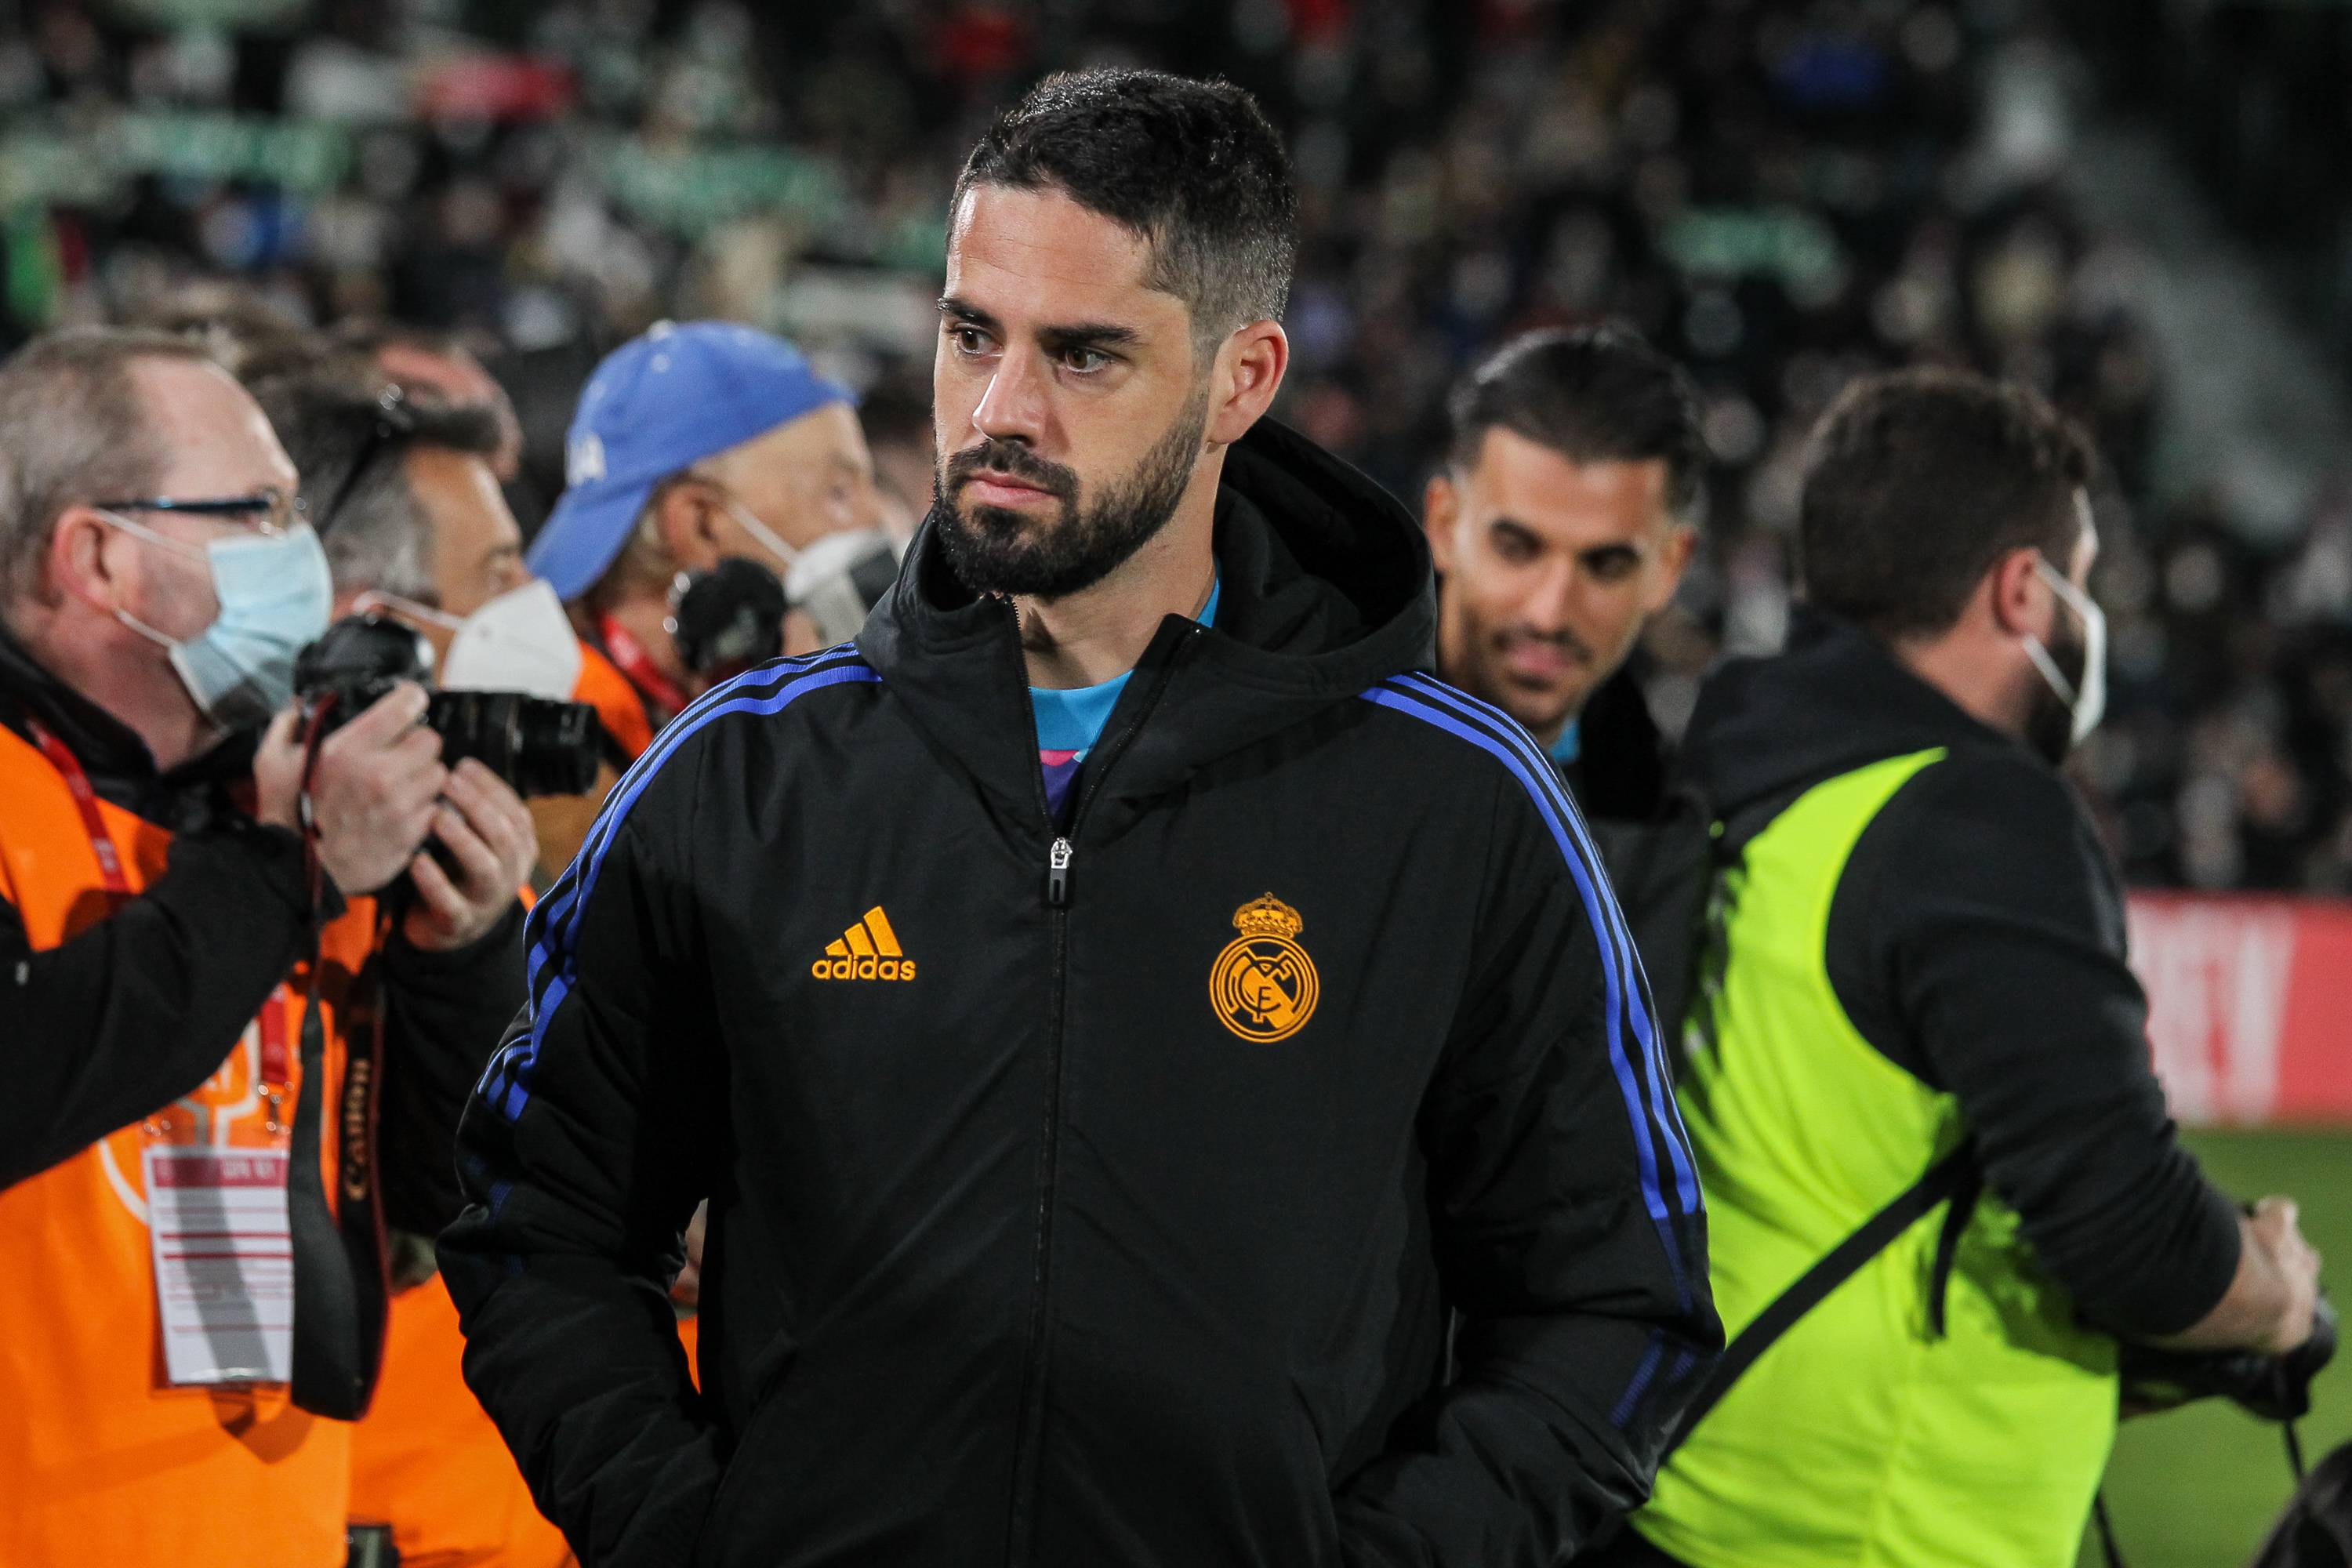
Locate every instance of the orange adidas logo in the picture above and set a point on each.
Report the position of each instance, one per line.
(866, 951)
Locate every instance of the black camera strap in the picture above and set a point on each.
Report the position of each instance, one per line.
(341, 1281)
(1953, 1178)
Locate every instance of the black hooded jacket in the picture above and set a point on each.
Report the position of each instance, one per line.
(1125, 1224)
(1977, 941)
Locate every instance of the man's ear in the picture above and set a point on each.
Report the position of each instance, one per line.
(689, 526)
(1682, 543)
(1247, 372)
(1440, 507)
(2017, 600)
(83, 561)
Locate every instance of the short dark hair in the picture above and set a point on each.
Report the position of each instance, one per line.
(1919, 480)
(1192, 167)
(1601, 393)
(350, 432)
(74, 429)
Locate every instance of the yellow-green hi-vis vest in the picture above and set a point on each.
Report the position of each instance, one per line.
(1861, 1438)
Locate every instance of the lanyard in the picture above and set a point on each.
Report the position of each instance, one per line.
(276, 1061)
(637, 665)
(85, 799)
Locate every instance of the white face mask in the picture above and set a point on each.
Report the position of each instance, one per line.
(274, 594)
(785, 553)
(839, 578)
(2089, 704)
(519, 641)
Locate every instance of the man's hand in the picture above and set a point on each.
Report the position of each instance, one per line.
(2275, 1231)
(2271, 1301)
(487, 831)
(372, 795)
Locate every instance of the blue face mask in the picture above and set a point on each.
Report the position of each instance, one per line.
(275, 596)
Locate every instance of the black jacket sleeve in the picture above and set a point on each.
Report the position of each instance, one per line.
(1976, 939)
(1570, 1237)
(443, 1013)
(582, 1155)
(145, 1005)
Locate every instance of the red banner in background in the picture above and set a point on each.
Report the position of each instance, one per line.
(2250, 1005)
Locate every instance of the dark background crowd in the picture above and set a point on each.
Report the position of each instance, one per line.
(1783, 193)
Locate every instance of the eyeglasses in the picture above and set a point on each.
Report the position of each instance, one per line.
(269, 509)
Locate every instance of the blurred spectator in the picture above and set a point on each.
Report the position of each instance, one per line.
(692, 445)
(185, 976)
(414, 527)
(401, 492)
(438, 366)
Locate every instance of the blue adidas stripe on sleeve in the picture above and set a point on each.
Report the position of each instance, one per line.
(551, 935)
(1656, 1125)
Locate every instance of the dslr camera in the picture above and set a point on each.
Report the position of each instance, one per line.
(538, 747)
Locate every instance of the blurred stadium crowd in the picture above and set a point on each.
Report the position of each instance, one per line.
(1783, 193)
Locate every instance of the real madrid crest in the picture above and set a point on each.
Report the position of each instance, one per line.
(1263, 987)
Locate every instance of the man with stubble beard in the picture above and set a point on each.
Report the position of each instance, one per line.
(1562, 522)
(1122, 1017)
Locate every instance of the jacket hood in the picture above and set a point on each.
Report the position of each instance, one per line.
(1766, 730)
(1326, 590)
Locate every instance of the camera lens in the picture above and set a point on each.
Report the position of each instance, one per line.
(537, 746)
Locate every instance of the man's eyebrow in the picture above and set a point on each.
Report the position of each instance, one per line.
(1089, 335)
(1059, 339)
(965, 311)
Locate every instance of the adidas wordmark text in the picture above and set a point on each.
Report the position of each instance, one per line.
(866, 951)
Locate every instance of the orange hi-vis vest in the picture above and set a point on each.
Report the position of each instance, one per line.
(101, 1461)
(618, 707)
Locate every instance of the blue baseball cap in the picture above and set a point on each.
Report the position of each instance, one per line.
(659, 404)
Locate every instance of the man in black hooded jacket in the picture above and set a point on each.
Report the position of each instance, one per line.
(1118, 1011)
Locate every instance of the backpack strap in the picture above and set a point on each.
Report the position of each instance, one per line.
(1955, 1178)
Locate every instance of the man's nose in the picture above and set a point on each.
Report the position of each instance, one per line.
(1014, 407)
(1550, 597)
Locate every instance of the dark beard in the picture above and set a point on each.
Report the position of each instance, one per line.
(994, 550)
(2050, 726)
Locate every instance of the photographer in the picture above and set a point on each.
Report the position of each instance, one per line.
(414, 527)
(175, 1276)
(1919, 1074)
(431, 366)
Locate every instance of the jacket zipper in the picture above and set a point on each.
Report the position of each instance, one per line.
(1057, 874)
(1059, 855)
